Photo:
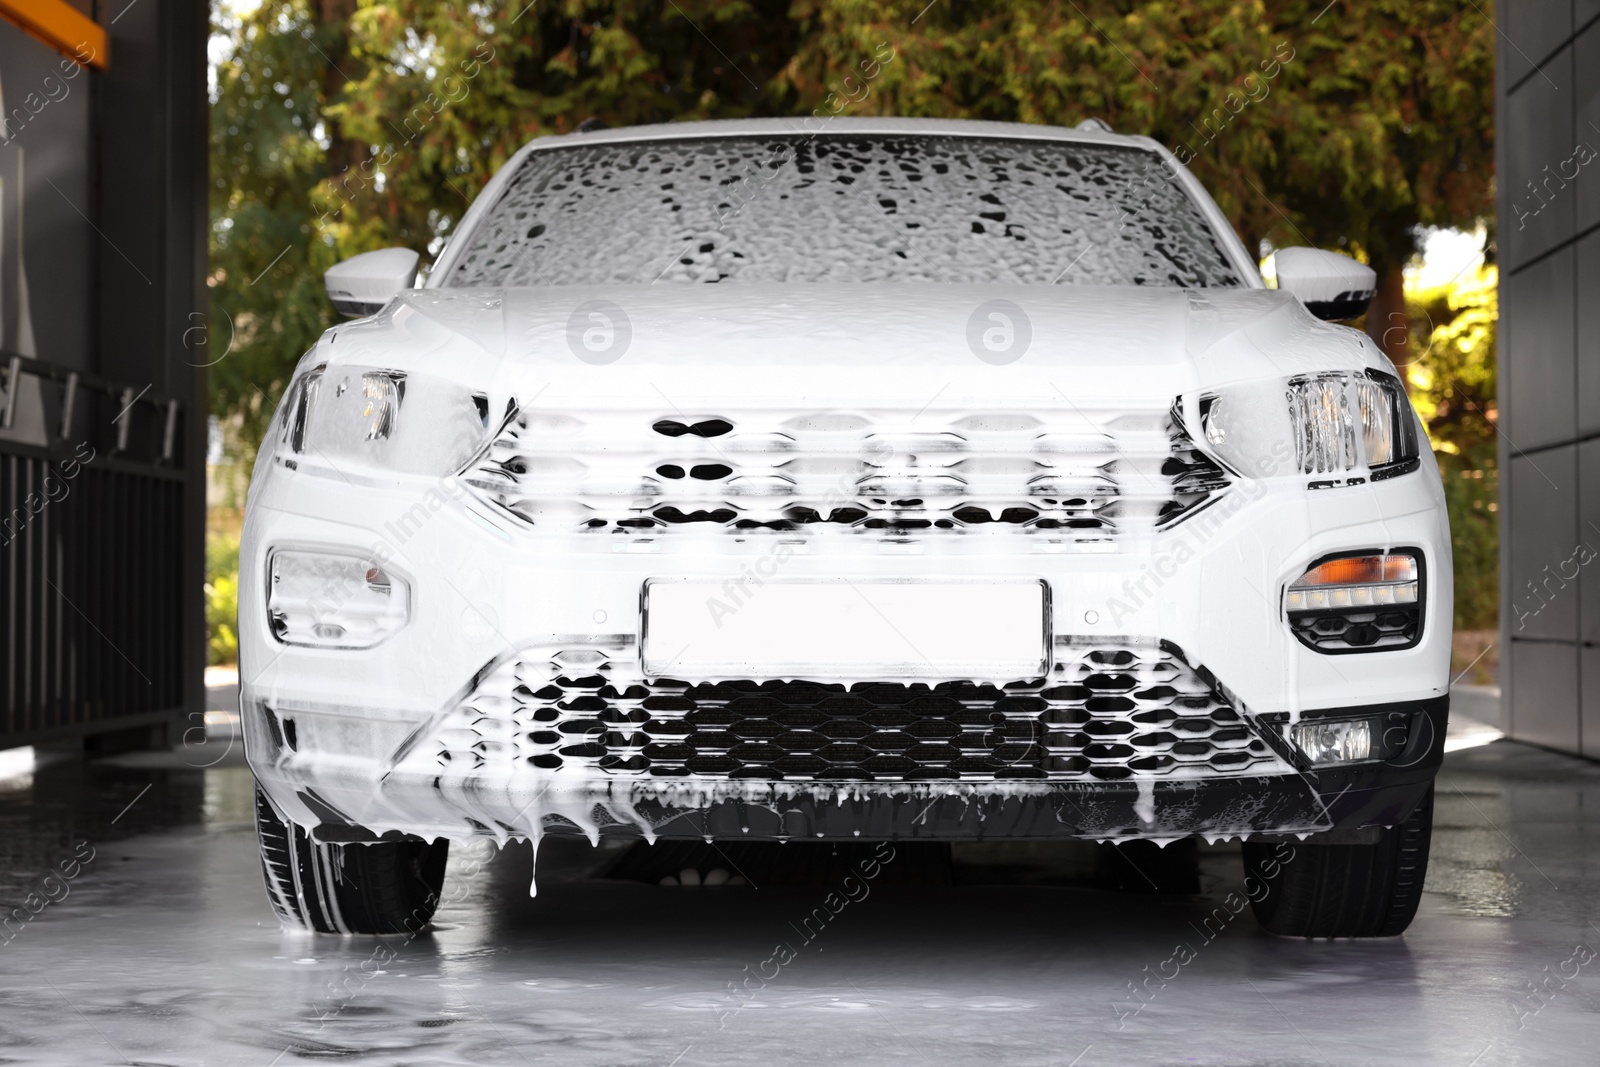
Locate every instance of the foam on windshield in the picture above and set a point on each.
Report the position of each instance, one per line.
(845, 209)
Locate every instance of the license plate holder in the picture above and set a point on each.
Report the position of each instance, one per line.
(846, 629)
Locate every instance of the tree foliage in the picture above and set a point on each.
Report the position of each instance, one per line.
(267, 303)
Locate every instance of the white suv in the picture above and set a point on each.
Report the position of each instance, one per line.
(987, 492)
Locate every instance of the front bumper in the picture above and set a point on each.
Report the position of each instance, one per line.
(342, 804)
(428, 732)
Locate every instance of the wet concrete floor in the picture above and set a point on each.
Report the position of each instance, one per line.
(159, 948)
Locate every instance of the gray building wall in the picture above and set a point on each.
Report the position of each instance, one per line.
(1548, 123)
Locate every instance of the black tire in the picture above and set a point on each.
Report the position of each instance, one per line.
(1368, 890)
(389, 887)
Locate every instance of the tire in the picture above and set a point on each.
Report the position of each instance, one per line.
(388, 887)
(1368, 890)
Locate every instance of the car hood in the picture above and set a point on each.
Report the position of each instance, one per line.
(845, 339)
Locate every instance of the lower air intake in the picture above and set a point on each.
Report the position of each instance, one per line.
(1106, 713)
(1359, 631)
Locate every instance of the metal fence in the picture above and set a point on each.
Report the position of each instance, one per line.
(91, 554)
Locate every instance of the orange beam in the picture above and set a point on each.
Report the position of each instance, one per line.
(63, 28)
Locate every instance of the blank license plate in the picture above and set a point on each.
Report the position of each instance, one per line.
(846, 630)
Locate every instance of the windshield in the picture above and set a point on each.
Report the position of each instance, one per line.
(856, 208)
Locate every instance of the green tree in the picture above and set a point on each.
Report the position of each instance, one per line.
(268, 150)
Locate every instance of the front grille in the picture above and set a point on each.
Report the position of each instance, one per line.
(1106, 713)
(1081, 477)
(1359, 631)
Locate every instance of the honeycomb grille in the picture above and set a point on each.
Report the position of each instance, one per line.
(1358, 631)
(1078, 478)
(1104, 714)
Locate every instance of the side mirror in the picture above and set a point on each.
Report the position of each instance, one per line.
(1331, 286)
(362, 285)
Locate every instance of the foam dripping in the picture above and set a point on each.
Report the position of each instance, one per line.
(1145, 806)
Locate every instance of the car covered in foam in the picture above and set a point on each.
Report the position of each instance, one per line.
(884, 479)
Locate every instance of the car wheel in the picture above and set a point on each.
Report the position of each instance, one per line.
(1365, 890)
(388, 887)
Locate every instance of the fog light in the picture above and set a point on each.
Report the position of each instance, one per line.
(333, 600)
(1336, 741)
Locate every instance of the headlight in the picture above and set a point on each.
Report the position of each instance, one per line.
(1347, 426)
(387, 419)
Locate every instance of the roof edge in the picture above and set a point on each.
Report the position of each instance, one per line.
(809, 125)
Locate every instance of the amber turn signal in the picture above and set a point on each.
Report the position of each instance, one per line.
(1356, 582)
